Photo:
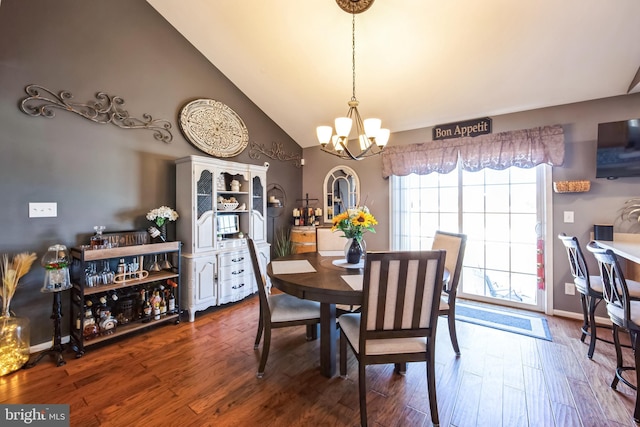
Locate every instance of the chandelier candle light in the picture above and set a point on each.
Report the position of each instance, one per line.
(372, 139)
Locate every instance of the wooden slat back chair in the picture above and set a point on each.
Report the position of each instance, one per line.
(327, 240)
(280, 311)
(623, 311)
(398, 320)
(589, 287)
(454, 244)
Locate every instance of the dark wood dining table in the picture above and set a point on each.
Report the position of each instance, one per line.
(326, 286)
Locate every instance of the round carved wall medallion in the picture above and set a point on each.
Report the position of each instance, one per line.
(214, 128)
(354, 6)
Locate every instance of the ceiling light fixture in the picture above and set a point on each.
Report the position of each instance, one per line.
(370, 137)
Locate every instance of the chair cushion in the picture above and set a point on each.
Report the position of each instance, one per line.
(594, 281)
(287, 308)
(596, 286)
(350, 325)
(349, 308)
(444, 304)
(617, 316)
(634, 288)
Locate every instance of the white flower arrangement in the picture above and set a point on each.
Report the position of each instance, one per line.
(161, 215)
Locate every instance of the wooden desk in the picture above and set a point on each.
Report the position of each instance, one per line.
(327, 287)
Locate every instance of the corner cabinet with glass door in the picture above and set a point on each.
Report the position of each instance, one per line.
(221, 203)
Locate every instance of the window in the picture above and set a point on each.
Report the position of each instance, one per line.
(498, 210)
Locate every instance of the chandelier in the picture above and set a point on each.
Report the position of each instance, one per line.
(371, 139)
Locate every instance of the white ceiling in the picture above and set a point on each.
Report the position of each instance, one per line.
(418, 62)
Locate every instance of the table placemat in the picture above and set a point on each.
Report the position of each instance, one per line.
(292, 267)
(353, 280)
(331, 253)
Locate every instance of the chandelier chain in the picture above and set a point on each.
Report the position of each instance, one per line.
(353, 55)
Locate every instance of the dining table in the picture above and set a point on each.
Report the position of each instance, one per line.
(326, 277)
(322, 277)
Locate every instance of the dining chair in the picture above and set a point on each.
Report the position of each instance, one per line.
(454, 244)
(327, 240)
(589, 287)
(624, 313)
(280, 311)
(397, 323)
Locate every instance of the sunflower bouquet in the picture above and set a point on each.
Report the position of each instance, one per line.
(354, 222)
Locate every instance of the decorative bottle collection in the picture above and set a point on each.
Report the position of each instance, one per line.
(307, 216)
(103, 313)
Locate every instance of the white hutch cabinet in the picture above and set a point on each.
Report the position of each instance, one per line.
(217, 200)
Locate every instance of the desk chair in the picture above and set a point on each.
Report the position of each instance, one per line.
(454, 244)
(589, 287)
(280, 311)
(623, 311)
(397, 323)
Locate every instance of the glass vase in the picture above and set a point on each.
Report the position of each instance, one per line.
(14, 343)
(163, 232)
(354, 250)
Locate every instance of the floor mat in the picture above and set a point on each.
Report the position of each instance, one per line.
(525, 324)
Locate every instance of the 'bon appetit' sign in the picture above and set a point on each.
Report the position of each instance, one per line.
(462, 129)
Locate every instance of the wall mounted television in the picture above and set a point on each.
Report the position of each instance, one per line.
(618, 152)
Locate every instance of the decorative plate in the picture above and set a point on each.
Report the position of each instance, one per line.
(214, 128)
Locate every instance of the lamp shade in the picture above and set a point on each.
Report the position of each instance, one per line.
(383, 137)
(364, 142)
(336, 143)
(343, 126)
(324, 134)
(372, 127)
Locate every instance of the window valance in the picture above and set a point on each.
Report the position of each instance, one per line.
(521, 148)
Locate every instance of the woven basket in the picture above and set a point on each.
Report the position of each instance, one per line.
(571, 186)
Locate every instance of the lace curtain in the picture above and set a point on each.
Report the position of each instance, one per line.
(521, 148)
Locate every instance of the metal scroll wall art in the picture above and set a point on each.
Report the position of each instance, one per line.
(276, 152)
(105, 109)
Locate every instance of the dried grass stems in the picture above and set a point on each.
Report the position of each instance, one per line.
(11, 273)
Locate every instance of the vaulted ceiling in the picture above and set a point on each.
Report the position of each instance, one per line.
(418, 62)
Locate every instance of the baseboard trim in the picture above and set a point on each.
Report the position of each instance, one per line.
(578, 316)
(47, 345)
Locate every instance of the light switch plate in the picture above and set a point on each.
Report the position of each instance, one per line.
(569, 288)
(43, 210)
(568, 216)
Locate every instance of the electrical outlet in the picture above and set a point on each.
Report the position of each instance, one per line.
(569, 289)
(43, 210)
(568, 216)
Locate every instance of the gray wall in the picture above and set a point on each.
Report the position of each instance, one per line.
(580, 123)
(97, 173)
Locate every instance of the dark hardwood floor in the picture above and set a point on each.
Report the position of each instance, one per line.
(203, 374)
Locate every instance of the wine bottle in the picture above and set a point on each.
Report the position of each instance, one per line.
(156, 305)
(147, 309)
(172, 301)
(141, 301)
(163, 306)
